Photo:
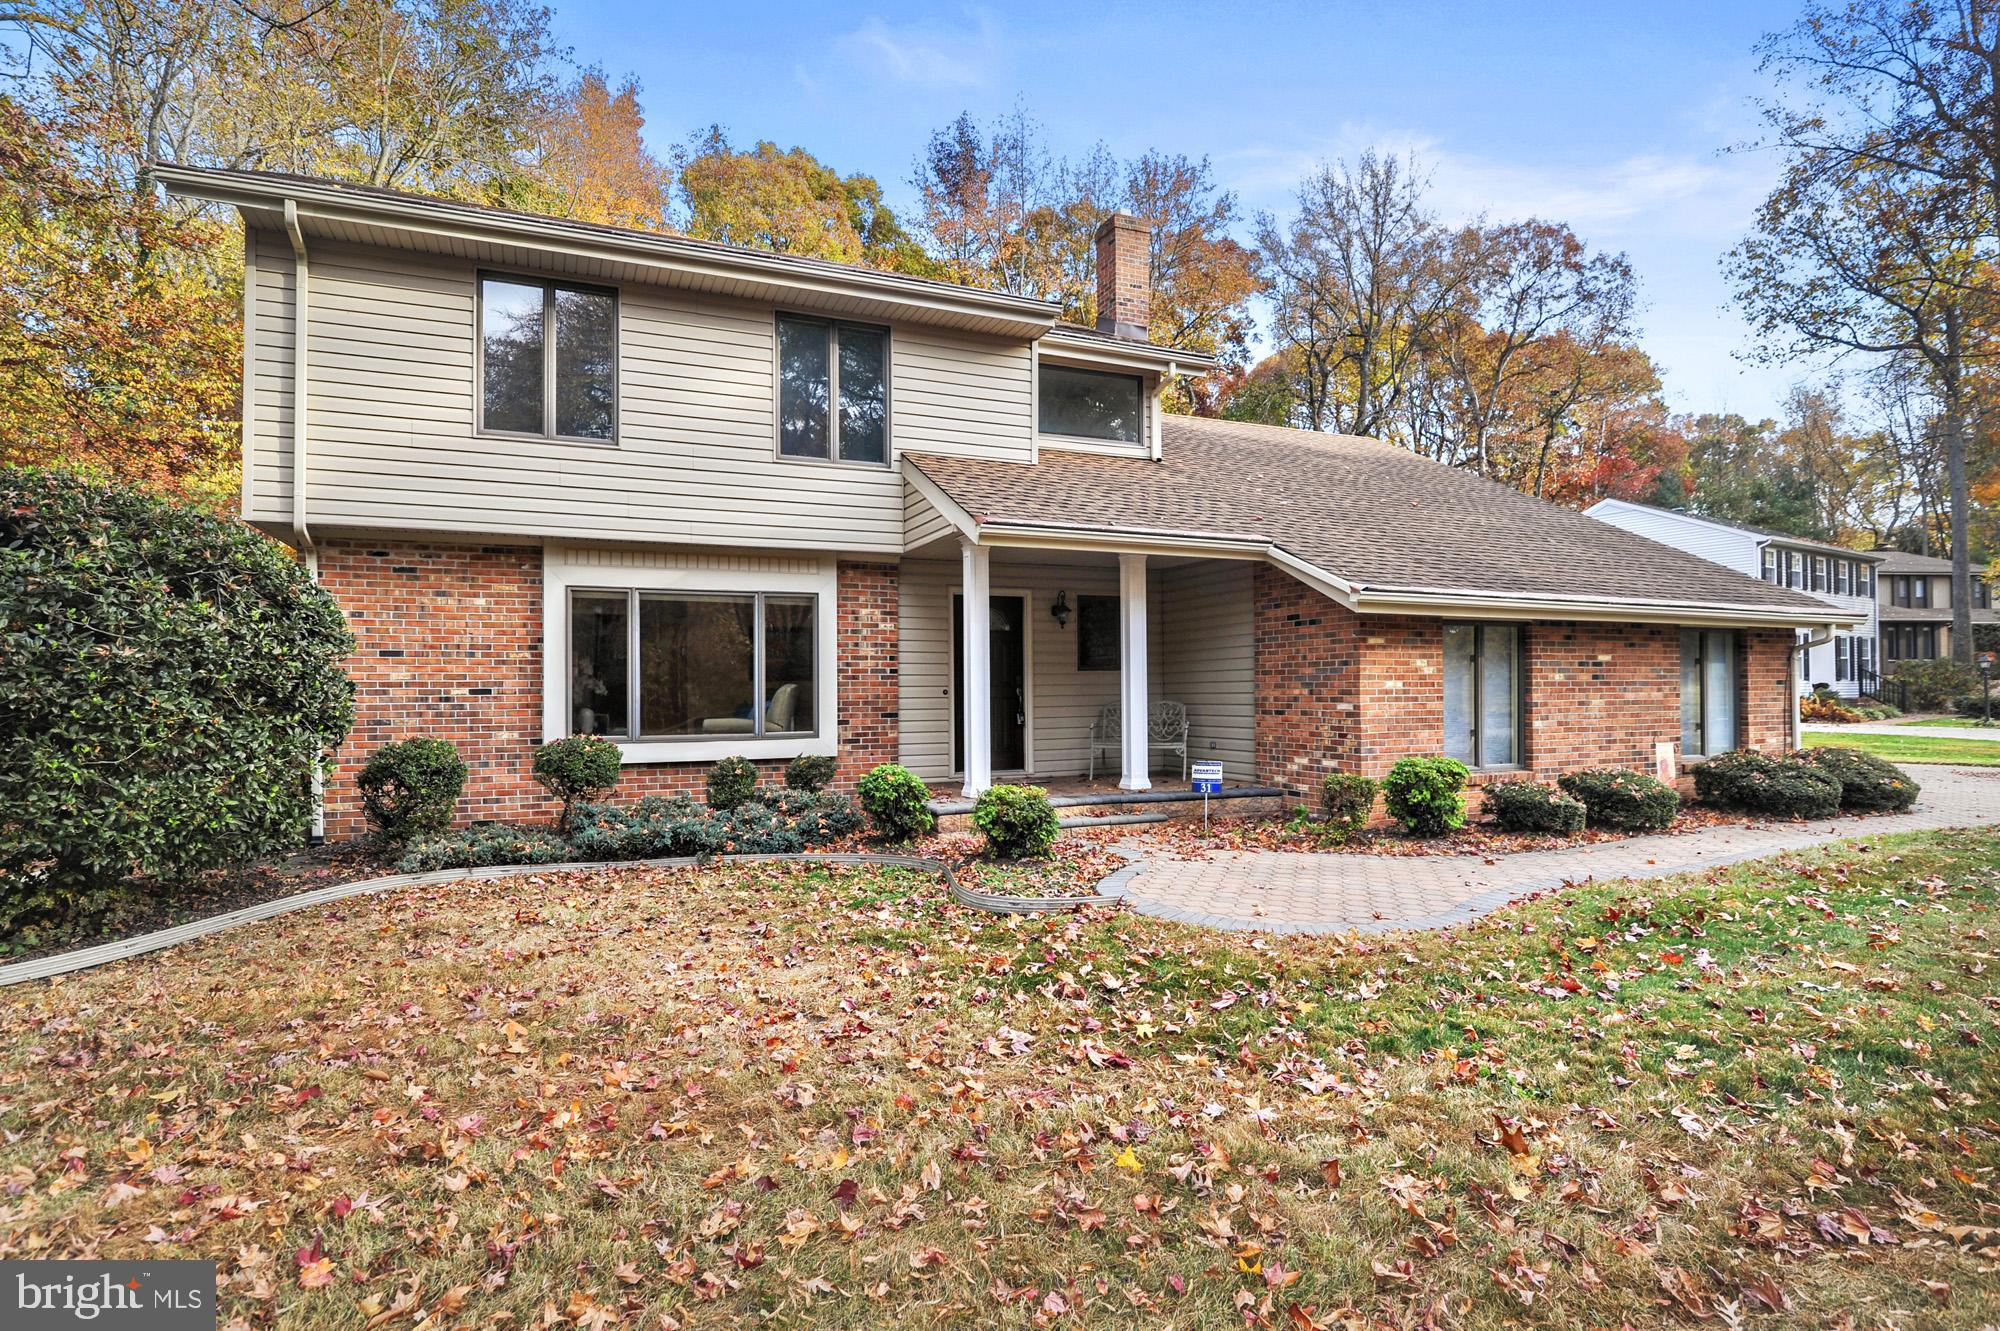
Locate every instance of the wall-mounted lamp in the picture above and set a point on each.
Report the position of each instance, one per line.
(1061, 610)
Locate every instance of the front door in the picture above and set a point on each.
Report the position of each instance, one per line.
(1008, 705)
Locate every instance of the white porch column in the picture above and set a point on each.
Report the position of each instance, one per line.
(1132, 697)
(975, 670)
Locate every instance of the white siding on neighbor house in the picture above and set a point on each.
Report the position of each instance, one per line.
(1200, 653)
(393, 444)
(1718, 545)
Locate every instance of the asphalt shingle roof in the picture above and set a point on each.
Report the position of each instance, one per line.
(1372, 514)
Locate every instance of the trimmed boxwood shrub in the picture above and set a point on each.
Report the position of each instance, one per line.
(1347, 799)
(1758, 783)
(1529, 806)
(477, 847)
(810, 771)
(1019, 822)
(1868, 783)
(580, 767)
(731, 782)
(169, 680)
(1426, 796)
(411, 788)
(897, 802)
(1622, 799)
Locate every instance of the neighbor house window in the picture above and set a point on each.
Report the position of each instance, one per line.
(833, 390)
(1091, 404)
(1841, 646)
(1770, 565)
(1842, 577)
(1482, 694)
(677, 665)
(548, 359)
(1708, 691)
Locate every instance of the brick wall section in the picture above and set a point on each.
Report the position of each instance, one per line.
(1343, 692)
(449, 644)
(1305, 653)
(1768, 703)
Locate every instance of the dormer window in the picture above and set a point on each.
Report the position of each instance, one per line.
(833, 390)
(1091, 404)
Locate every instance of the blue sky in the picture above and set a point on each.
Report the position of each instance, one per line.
(1608, 116)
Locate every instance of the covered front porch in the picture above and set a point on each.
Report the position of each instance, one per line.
(1049, 639)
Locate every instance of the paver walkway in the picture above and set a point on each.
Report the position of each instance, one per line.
(1303, 892)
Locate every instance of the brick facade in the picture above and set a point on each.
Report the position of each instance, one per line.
(448, 643)
(1336, 691)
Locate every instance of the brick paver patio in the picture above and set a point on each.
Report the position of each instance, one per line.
(1303, 892)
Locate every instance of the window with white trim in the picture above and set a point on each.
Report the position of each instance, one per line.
(671, 665)
(1770, 565)
(1090, 404)
(1482, 694)
(1708, 692)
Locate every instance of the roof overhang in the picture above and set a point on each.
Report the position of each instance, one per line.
(1063, 346)
(442, 226)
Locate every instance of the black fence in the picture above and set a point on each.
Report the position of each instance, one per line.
(1883, 688)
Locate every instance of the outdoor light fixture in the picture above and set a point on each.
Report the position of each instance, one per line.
(1061, 610)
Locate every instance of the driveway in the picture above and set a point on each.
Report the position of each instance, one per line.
(1303, 892)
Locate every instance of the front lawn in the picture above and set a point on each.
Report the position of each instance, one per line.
(809, 1097)
(1955, 722)
(1913, 748)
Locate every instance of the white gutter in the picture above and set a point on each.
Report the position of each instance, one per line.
(301, 527)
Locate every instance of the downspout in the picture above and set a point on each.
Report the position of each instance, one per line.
(1818, 637)
(301, 528)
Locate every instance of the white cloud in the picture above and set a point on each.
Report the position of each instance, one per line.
(926, 55)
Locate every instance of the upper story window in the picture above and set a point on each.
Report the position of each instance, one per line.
(1843, 576)
(833, 390)
(548, 359)
(1819, 573)
(1091, 404)
(1770, 564)
(1982, 596)
(1482, 694)
(1795, 570)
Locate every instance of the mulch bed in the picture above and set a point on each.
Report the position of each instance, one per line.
(144, 911)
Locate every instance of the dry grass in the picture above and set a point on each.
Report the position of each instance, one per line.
(830, 1099)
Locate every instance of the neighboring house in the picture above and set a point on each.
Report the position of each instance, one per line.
(1915, 594)
(714, 501)
(1843, 578)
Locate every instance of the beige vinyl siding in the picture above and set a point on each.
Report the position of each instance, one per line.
(393, 443)
(268, 268)
(1199, 649)
(922, 523)
(1211, 660)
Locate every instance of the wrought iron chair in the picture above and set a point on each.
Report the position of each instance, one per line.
(1166, 731)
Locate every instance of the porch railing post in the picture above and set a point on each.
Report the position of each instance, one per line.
(1133, 774)
(975, 668)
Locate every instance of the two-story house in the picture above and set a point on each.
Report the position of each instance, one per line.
(1915, 611)
(1843, 578)
(710, 501)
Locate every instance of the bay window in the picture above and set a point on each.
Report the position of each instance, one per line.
(548, 359)
(833, 390)
(674, 665)
(1708, 692)
(1482, 694)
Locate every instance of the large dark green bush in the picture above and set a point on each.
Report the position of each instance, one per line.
(1426, 796)
(1347, 799)
(1868, 783)
(731, 782)
(579, 767)
(1019, 822)
(1622, 799)
(1974, 705)
(811, 771)
(411, 788)
(1758, 783)
(1531, 807)
(897, 801)
(1933, 685)
(169, 680)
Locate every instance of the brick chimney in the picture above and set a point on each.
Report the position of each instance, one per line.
(1124, 276)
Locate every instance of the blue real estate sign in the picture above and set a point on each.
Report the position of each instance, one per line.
(1207, 778)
